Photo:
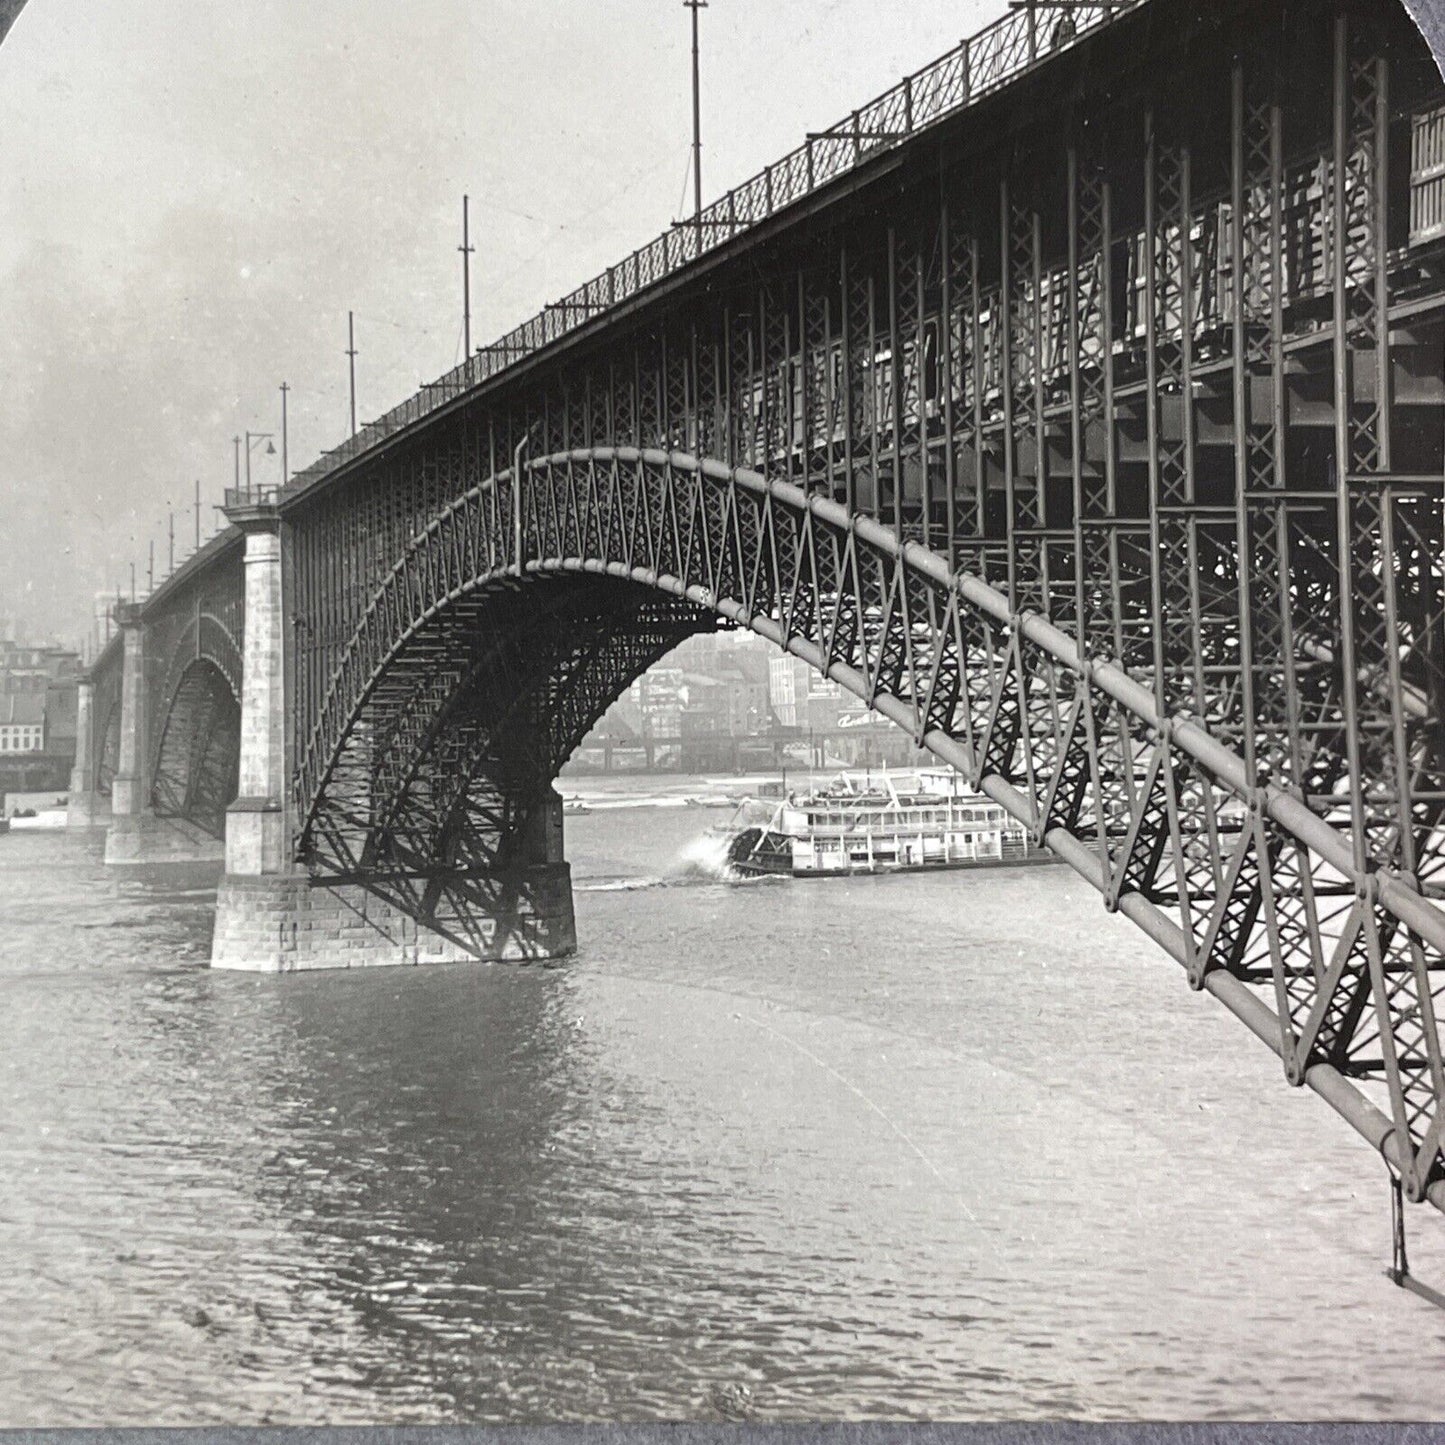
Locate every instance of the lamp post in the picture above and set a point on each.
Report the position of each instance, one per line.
(695, 6)
(285, 459)
(252, 437)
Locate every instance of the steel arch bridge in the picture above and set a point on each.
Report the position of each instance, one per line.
(1079, 405)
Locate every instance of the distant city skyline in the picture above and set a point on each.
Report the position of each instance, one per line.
(192, 199)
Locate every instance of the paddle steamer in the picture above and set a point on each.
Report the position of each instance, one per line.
(876, 823)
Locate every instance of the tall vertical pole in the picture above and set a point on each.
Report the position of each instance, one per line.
(236, 442)
(695, 6)
(151, 566)
(198, 514)
(132, 581)
(171, 529)
(466, 248)
(285, 454)
(351, 358)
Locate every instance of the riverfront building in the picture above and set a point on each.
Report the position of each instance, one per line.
(38, 692)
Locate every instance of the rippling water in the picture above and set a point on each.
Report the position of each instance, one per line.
(931, 1146)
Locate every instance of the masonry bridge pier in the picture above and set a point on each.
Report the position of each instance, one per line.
(1079, 404)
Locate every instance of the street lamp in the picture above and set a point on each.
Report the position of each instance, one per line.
(252, 437)
(285, 460)
(695, 6)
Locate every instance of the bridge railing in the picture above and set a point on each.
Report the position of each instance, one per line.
(253, 496)
(975, 68)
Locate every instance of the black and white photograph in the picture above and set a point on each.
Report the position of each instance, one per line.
(721, 713)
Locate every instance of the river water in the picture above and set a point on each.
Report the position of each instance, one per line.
(942, 1146)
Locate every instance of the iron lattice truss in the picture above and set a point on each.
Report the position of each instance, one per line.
(434, 796)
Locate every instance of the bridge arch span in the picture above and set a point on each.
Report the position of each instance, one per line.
(439, 792)
(198, 750)
(1148, 805)
(107, 750)
(695, 530)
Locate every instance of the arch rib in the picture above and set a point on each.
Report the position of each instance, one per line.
(1005, 696)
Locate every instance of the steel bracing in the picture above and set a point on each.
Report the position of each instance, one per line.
(432, 795)
(197, 759)
(1089, 426)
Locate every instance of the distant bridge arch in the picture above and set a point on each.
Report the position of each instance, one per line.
(197, 756)
(195, 721)
(108, 749)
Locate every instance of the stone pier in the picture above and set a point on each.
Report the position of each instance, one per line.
(285, 923)
(270, 916)
(86, 807)
(130, 793)
(146, 838)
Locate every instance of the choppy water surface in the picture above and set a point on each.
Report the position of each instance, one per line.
(934, 1146)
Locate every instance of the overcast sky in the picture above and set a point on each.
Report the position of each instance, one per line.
(193, 193)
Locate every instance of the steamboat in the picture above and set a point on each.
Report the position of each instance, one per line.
(876, 823)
